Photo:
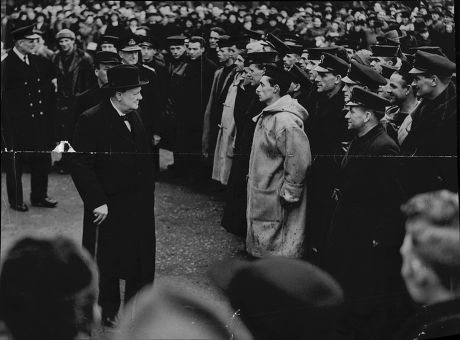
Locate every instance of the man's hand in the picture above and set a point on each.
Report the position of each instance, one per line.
(101, 214)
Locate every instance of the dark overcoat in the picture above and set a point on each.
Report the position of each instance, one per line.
(120, 173)
(432, 145)
(28, 104)
(85, 101)
(367, 230)
(367, 227)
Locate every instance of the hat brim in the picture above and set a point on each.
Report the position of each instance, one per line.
(124, 87)
(349, 81)
(416, 71)
(352, 104)
(131, 49)
(321, 69)
(32, 36)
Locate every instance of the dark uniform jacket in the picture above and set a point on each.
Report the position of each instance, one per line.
(433, 143)
(28, 104)
(121, 175)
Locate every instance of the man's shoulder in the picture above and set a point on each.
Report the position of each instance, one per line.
(94, 112)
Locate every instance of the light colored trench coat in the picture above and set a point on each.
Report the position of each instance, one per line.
(277, 196)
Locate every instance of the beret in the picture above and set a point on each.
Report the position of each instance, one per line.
(332, 63)
(65, 34)
(432, 63)
(368, 99)
(26, 32)
(364, 75)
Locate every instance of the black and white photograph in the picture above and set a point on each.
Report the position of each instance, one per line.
(229, 170)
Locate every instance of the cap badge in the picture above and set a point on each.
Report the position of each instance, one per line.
(131, 42)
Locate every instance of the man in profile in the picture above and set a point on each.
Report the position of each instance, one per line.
(114, 173)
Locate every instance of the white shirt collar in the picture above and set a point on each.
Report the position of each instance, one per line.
(116, 109)
(19, 54)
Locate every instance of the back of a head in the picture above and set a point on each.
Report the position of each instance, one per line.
(48, 289)
(433, 222)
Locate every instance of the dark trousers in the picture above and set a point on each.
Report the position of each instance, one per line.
(109, 292)
(39, 163)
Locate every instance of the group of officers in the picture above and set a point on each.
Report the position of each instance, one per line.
(317, 149)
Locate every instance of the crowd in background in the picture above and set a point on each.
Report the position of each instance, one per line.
(317, 119)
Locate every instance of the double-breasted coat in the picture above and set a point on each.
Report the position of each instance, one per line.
(115, 167)
(277, 193)
(28, 104)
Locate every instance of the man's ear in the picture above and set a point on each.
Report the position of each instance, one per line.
(434, 80)
(338, 79)
(276, 88)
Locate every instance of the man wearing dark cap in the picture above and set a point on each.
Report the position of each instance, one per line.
(300, 85)
(434, 127)
(192, 97)
(326, 130)
(118, 190)
(83, 101)
(74, 75)
(214, 36)
(108, 43)
(27, 117)
(384, 55)
(362, 76)
(221, 82)
(362, 250)
(234, 219)
(151, 105)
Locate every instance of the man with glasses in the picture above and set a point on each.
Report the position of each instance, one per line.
(28, 101)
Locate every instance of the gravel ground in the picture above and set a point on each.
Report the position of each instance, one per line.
(189, 236)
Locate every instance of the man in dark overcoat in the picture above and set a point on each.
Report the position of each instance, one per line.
(27, 116)
(117, 186)
(362, 249)
(434, 127)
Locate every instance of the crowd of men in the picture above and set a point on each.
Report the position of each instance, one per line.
(318, 121)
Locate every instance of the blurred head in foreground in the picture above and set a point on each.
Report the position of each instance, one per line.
(48, 290)
(281, 298)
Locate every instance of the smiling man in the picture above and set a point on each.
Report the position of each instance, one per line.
(118, 190)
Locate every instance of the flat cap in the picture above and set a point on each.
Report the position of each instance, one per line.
(65, 34)
(363, 75)
(432, 63)
(262, 57)
(108, 39)
(175, 40)
(368, 99)
(384, 50)
(26, 32)
(129, 43)
(332, 63)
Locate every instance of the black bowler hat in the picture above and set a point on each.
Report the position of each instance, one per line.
(108, 39)
(26, 32)
(384, 50)
(176, 40)
(367, 99)
(363, 75)
(298, 75)
(123, 77)
(332, 63)
(106, 57)
(432, 63)
(281, 298)
(262, 57)
(129, 43)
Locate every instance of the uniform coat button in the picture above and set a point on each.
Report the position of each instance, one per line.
(33, 115)
(38, 79)
(31, 104)
(39, 102)
(41, 113)
(25, 83)
(39, 91)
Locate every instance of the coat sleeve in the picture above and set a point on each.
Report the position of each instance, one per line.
(207, 116)
(83, 165)
(293, 144)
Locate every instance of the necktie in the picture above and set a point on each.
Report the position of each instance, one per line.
(26, 60)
